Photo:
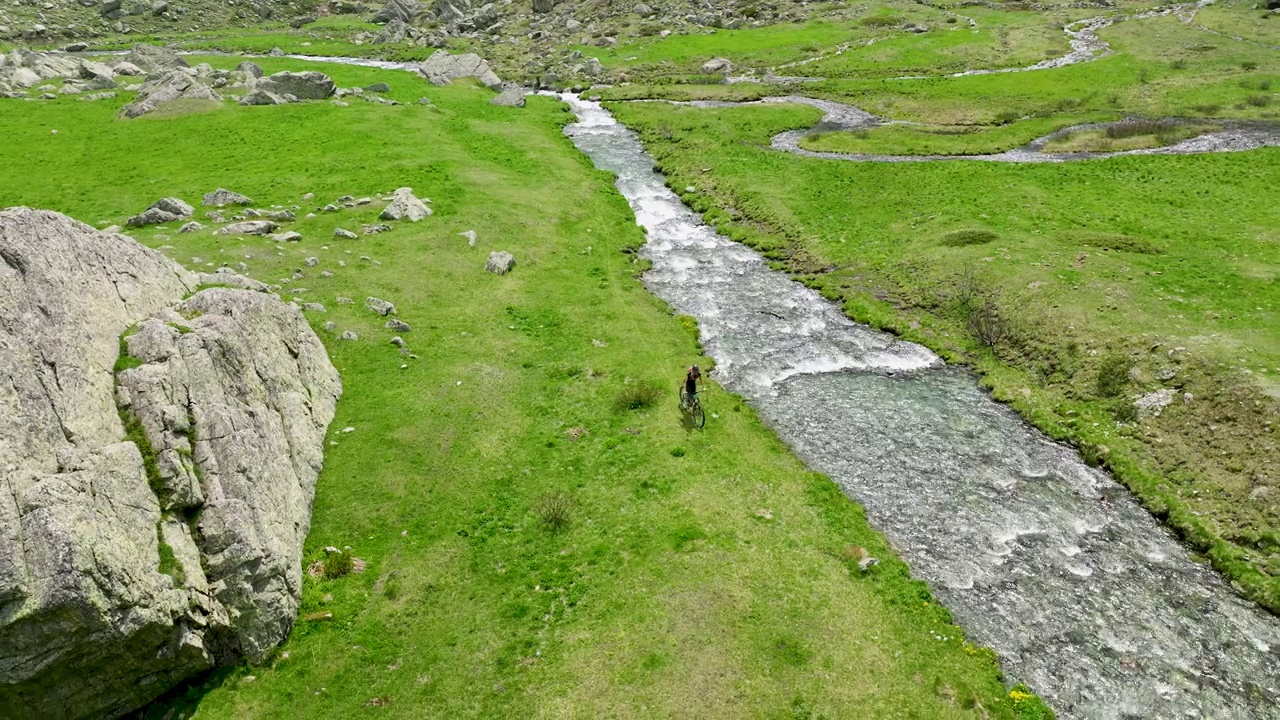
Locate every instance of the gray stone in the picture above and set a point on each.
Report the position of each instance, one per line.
(442, 68)
(312, 261)
(402, 10)
(346, 301)
(174, 205)
(397, 325)
(500, 262)
(222, 196)
(643, 10)
(382, 307)
(260, 96)
(153, 216)
(248, 227)
(717, 66)
(378, 88)
(471, 237)
(349, 335)
(191, 227)
(290, 236)
(345, 234)
(1152, 404)
(310, 85)
(249, 68)
(95, 623)
(177, 84)
(313, 307)
(397, 341)
(152, 59)
(511, 96)
(404, 206)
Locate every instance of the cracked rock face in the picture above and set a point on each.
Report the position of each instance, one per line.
(151, 520)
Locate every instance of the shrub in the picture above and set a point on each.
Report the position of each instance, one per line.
(1178, 64)
(1249, 65)
(1258, 100)
(637, 396)
(989, 326)
(1112, 241)
(960, 238)
(1113, 375)
(879, 21)
(677, 452)
(1124, 411)
(1133, 128)
(554, 510)
(338, 564)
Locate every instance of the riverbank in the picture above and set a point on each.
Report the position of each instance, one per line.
(1067, 317)
(707, 570)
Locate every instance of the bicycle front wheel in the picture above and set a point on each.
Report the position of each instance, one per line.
(699, 417)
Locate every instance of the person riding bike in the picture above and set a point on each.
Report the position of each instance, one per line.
(692, 377)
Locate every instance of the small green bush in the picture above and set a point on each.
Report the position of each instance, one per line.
(677, 451)
(338, 564)
(1113, 375)
(1258, 100)
(989, 326)
(960, 238)
(637, 396)
(554, 510)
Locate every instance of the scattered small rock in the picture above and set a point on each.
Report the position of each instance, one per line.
(397, 325)
(500, 262)
(345, 234)
(222, 196)
(382, 307)
(349, 335)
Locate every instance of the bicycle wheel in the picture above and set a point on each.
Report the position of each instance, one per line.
(699, 417)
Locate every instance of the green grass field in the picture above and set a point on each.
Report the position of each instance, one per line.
(944, 139)
(1167, 262)
(699, 572)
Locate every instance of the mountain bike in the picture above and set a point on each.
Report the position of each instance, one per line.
(692, 406)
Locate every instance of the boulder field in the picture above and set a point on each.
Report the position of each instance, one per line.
(159, 447)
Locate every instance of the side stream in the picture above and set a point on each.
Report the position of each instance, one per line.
(1086, 597)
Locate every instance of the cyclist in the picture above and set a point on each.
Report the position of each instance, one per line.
(692, 377)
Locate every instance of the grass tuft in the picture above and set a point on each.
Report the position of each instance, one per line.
(554, 510)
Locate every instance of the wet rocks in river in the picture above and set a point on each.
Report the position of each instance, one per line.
(500, 262)
(405, 206)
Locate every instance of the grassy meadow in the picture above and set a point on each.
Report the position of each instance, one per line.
(1105, 279)
(543, 534)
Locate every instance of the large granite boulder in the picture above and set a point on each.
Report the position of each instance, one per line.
(442, 68)
(403, 10)
(152, 530)
(153, 59)
(177, 84)
(310, 85)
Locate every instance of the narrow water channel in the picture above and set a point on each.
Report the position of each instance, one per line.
(1085, 596)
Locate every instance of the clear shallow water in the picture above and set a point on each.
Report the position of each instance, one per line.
(1087, 598)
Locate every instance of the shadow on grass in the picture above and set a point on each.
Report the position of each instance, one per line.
(183, 700)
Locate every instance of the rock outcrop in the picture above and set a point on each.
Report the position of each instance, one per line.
(177, 84)
(405, 205)
(442, 68)
(152, 510)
